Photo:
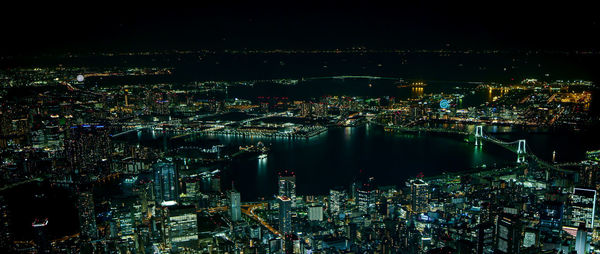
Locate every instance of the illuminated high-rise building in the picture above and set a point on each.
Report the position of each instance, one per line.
(366, 197)
(582, 207)
(235, 205)
(419, 196)
(354, 188)
(287, 185)
(166, 188)
(191, 185)
(509, 229)
(551, 220)
(183, 226)
(87, 216)
(336, 200)
(485, 238)
(285, 215)
(123, 220)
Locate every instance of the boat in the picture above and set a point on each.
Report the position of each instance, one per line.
(262, 156)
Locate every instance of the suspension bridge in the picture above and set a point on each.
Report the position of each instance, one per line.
(519, 147)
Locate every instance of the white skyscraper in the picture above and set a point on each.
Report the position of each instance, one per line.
(235, 205)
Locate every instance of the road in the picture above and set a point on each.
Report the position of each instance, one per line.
(249, 211)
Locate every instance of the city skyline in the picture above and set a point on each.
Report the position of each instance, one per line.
(416, 128)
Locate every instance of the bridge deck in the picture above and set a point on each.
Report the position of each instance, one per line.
(507, 145)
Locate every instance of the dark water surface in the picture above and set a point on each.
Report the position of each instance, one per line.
(336, 157)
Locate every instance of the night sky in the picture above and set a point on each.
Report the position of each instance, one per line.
(106, 26)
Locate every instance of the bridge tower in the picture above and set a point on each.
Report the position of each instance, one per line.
(521, 151)
(478, 135)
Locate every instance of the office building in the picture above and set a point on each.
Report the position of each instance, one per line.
(166, 188)
(508, 234)
(255, 232)
(287, 185)
(336, 200)
(285, 214)
(485, 238)
(419, 196)
(183, 226)
(582, 207)
(315, 213)
(366, 197)
(87, 216)
(235, 205)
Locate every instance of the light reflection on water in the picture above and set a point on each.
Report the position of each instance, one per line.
(335, 157)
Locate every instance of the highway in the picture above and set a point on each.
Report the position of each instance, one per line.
(249, 211)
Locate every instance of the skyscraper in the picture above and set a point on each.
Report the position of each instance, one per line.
(87, 216)
(165, 183)
(354, 188)
(287, 185)
(366, 197)
(485, 237)
(420, 196)
(581, 239)
(508, 237)
(582, 207)
(285, 214)
(235, 207)
(336, 200)
(183, 226)
(551, 219)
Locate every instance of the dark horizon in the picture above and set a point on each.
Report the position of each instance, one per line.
(61, 29)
